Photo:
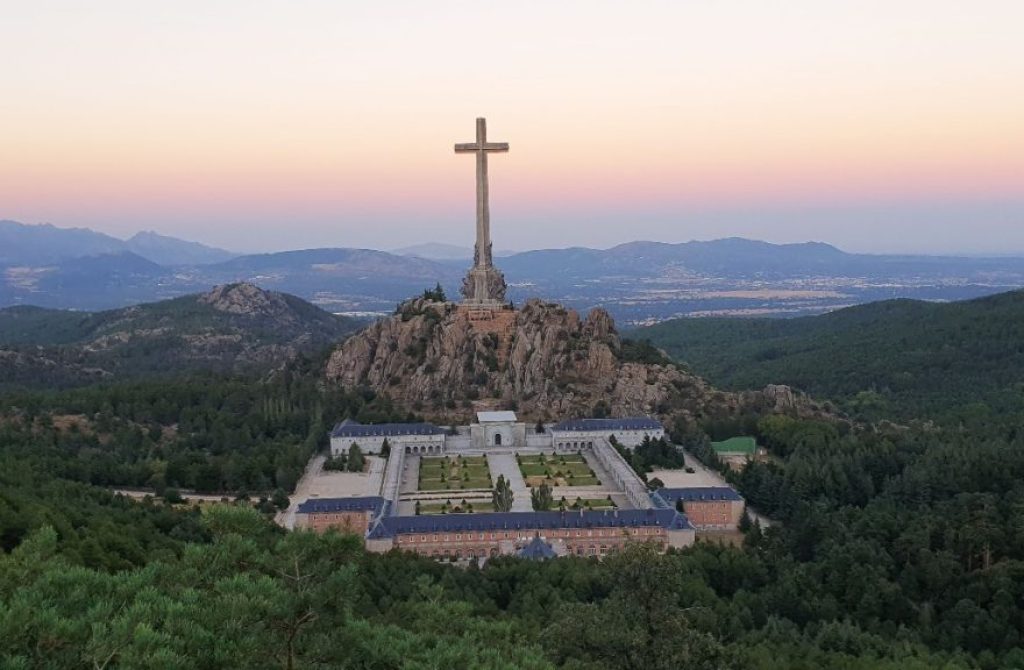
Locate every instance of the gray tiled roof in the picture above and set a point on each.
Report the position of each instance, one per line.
(537, 550)
(698, 493)
(350, 428)
(608, 425)
(669, 519)
(327, 505)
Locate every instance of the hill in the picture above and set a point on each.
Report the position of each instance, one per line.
(738, 258)
(87, 282)
(21, 244)
(340, 279)
(172, 251)
(231, 328)
(543, 360)
(899, 358)
(31, 245)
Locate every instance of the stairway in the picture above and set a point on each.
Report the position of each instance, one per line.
(501, 323)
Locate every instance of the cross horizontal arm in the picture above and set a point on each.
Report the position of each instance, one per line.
(473, 147)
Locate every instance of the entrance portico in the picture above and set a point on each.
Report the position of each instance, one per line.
(497, 430)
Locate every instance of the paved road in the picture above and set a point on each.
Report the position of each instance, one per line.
(410, 474)
(505, 464)
(376, 474)
(716, 478)
(315, 466)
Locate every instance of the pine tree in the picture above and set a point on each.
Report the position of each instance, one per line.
(541, 498)
(502, 496)
(356, 461)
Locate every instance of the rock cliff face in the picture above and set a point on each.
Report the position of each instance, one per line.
(543, 361)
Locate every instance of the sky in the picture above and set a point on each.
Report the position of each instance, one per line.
(878, 126)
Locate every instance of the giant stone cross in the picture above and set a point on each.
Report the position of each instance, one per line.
(484, 284)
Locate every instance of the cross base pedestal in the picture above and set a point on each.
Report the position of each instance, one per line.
(484, 286)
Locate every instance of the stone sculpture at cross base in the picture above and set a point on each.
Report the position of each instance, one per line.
(484, 286)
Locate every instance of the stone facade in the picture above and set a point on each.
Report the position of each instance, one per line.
(489, 535)
(420, 438)
(707, 508)
(352, 515)
(490, 432)
(628, 432)
(496, 430)
(714, 515)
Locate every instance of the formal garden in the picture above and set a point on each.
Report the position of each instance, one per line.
(447, 473)
(578, 503)
(556, 470)
(450, 506)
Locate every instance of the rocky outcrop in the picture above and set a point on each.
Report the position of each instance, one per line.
(433, 358)
(232, 328)
(242, 298)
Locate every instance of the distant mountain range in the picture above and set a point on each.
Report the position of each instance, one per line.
(22, 244)
(638, 282)
(437, 251)
(234, 327)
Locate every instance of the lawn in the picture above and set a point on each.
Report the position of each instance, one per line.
(452, 474)
(736, 445)
(585, 503)
(455, 507)
(557, 470)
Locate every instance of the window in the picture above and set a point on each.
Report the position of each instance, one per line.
(497, 439)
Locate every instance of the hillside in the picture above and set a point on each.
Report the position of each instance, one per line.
(28, 245)
(232, 327)
(341, 280)
(172, 251)
(543, 360)
(899, 357)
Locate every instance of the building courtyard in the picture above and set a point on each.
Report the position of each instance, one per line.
(570, 489)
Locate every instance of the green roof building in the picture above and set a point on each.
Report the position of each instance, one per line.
(745, 446)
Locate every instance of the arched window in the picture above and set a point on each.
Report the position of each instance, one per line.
(497, 439)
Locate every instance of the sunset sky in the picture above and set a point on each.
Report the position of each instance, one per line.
(893, 125)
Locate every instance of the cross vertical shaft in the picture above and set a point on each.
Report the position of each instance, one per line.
(482, 250)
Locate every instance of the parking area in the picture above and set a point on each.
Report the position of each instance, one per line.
(319, 483)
